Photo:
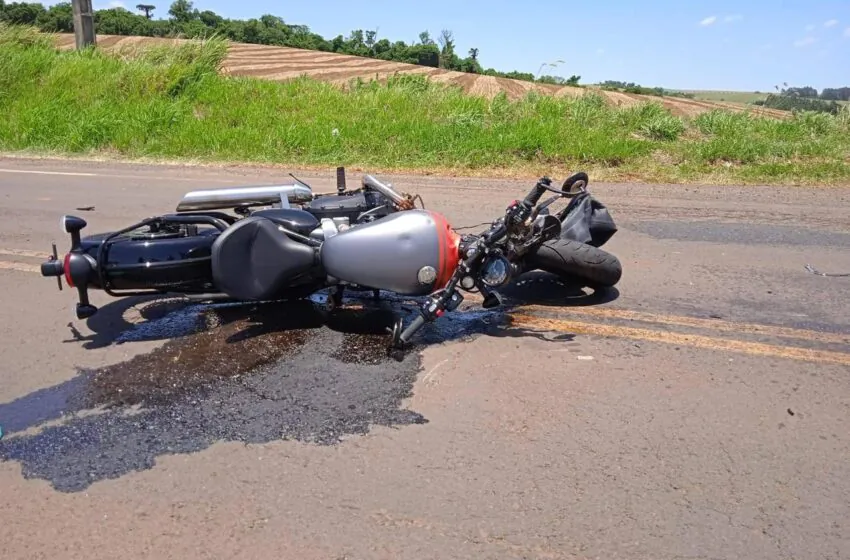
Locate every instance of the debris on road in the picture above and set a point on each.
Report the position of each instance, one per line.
(812, 269)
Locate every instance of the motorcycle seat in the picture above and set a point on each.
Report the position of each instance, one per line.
(299, 221)
(254, 260)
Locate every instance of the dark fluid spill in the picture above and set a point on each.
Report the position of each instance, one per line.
(249, 373)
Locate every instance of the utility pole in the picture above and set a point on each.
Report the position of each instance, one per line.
(83, 23)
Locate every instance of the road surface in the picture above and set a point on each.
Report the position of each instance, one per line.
(698, 411)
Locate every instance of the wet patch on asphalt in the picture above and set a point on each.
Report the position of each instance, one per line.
(248, 373)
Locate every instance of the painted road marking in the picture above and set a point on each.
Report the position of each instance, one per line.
(692, 340)
(25, 253)
(5, 265)
(120, 176)
(696, 322)
(34, 172)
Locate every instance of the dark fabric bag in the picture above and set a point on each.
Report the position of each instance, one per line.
(587, 221)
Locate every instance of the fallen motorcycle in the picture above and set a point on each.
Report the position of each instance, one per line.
(370, 239)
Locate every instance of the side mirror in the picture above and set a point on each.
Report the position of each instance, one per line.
(576, 183)
(73, 225)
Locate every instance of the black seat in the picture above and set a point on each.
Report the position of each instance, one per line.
(299, 221)
(254, 260)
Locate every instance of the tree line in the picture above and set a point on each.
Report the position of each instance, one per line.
(184, 20)
(631, 87)
(806, 99)
(808, 92)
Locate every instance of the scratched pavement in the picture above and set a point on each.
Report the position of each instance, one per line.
(700, 410)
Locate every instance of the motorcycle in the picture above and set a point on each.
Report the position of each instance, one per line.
(373, 239)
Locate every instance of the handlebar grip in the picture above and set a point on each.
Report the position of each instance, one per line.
(408, 333)
(533, 197)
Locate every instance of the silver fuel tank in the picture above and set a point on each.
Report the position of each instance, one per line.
(413, 253)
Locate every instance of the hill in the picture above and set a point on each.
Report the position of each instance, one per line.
(283, 63)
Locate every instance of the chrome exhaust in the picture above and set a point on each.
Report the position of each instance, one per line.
(386, 190)
(213, 199)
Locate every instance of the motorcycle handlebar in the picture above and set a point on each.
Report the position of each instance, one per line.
(415, 325)
(533, 197)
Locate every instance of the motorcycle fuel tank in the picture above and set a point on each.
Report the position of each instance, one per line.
(412, 253)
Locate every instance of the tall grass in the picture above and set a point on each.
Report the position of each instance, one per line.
(172, 102)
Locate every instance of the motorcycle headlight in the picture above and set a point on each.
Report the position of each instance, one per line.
(496, 271)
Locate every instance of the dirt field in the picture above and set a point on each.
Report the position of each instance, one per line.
(282, 63)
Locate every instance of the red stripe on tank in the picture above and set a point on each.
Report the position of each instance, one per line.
(449, 249)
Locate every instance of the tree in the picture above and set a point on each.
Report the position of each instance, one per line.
(59, 18)
(425, 38)
(181, 11)
(370, 39)
(473, 54)
(147, 8)
(22, 13)
(447, 50)
(211, 19)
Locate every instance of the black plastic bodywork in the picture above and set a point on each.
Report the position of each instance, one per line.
(150, 262)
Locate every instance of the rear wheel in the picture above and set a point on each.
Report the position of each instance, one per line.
(573, 260)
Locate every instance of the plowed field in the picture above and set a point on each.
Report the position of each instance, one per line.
(282, 63)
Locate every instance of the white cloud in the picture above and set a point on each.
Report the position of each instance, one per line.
(708, 21)
(805, 42)
(733, 17)
(810, 27)
(830, 23)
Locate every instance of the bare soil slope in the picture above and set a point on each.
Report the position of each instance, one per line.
(282, 63)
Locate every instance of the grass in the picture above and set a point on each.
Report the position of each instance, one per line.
(171, 103)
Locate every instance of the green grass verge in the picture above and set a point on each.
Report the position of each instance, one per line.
(171, 103)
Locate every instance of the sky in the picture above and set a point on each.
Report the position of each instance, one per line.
(748, 45)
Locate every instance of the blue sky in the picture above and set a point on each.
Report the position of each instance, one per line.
(719, 44)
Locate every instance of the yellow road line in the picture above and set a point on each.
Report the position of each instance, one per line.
(5, 265)
(25, 253)
(709, 324)
(695, 341)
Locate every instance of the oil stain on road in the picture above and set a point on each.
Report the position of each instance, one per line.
(253, 374)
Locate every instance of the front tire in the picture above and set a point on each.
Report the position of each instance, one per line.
(573, 260)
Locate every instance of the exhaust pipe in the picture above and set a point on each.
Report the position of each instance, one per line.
(385, 190)
(229, 198)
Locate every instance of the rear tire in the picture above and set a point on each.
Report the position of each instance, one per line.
(573, 260)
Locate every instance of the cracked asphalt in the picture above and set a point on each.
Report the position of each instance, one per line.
(700, 410)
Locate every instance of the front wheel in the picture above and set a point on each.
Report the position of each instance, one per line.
(573, 260)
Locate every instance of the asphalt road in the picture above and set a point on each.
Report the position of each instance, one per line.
(698, 411)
